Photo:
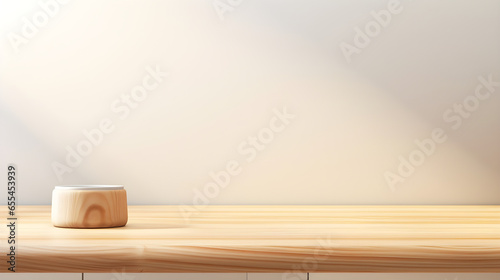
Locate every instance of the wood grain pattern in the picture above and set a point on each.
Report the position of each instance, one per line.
(268, 239)
(89, 208)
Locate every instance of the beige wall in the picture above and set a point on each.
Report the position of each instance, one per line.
(353, 116)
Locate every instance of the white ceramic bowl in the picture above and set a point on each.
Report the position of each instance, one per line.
(89, 206)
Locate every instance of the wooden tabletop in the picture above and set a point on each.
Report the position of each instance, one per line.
(286, 239)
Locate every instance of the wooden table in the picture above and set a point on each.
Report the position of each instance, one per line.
(266, 239)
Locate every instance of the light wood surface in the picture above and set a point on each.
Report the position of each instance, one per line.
(289, 239)
(89, 208)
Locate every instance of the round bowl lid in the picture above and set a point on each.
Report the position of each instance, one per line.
(91, 187)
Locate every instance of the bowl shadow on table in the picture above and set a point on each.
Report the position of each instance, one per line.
(153, 226)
